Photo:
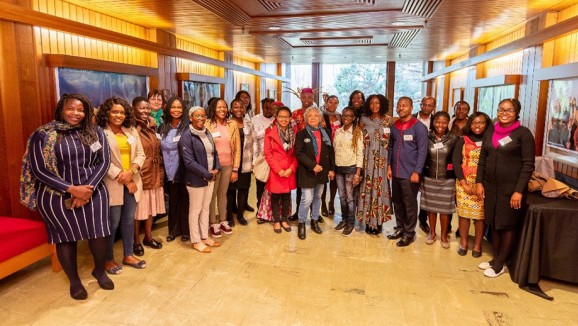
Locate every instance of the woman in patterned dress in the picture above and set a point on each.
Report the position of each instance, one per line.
(67, 159)
(374, 192)
(465, 162)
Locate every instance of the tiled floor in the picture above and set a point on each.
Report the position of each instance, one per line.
(259, 277)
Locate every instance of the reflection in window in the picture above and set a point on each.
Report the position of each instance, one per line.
(408, 83)
(490, 97)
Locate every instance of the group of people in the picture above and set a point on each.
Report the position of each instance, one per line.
(90, 173)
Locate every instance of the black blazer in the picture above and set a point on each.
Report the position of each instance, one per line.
(306, 178)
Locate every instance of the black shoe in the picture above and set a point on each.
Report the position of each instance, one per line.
(231, 221)
(170, 238)
(367, 229)
(331, 209)
(379, 229)
(153, 244)
(138, 250)
(320, 219)
(424, 227)
(78, 292)
(185, 238)
(476, 254)
(315, 227)
(294, 217)
(261, 221)
(324, 211)
(462, 251)
(347, 231)
(301, 232)
(404, 242)
(249, 208)
(395, 235)
(104, 282)
(242, 220)
(340, 226)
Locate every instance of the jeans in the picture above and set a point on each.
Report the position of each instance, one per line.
(347, 194)
(310, 197)
(122, 215)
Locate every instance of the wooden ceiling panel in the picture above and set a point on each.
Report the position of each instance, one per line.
(414, 30)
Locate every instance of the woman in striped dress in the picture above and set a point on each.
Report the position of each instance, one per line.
(67, 159)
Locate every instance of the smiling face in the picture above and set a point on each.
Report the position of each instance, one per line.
(427, 106)
(332, 104)
(479, 125)
(156, 102)
(283, 118)
(506, 114)
(198, 118)
(142, 110)
(313, 118)
(357, 100)
(404, 108)
(347, 117)
(116, 115)
(462, 111)
(176, 110)
(221, 110)
(374, 106)
(73, 112)
(238, 110)
(306, 100)
(440, 126)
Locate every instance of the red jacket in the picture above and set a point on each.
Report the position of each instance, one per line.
(278, 159)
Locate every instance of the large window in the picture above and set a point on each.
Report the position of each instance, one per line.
(490, 97)
(408, 83)
(342, 79)
(300, 78)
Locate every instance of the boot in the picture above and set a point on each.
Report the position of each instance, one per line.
(301, 233)
(315, 227)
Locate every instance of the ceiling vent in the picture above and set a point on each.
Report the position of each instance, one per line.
(421, 8)
(365, 2)
(227, 11)
(337, 41)
(403, 39)
(270, 5)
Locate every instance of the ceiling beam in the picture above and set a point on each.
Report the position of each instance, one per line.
(560, 29)
(22, 15)
(329, 30)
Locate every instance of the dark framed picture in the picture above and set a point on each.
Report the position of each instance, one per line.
(562, 115)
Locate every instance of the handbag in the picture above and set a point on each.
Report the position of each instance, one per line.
(261, 168)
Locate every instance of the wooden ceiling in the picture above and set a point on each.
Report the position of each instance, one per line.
(332, 31)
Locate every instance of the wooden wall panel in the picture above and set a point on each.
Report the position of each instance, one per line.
(510, 64)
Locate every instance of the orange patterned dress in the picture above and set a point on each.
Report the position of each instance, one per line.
(469, 206)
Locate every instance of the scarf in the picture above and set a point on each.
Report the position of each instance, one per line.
(27, 179)
(157, 116)
(501, 132)
(324, 136)
(287, 137)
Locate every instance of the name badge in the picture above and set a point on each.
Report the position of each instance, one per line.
(158, 136)
(95, 146)
(438, 145)
(336, 123)
(306, 140)
(216, 134)
(246, 131)
(386, 130)
(504, 141)
(176, 139)
(479, 143)
(130, 140)
(408, 137)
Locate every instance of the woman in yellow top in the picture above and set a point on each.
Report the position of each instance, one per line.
(123, 180)
(227, 140)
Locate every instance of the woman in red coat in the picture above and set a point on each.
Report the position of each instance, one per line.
(279, 153)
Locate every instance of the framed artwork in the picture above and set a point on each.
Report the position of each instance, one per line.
(198, 93)
(271, 93)
(244, 87)
(562, 115)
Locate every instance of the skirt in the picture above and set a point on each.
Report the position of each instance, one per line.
(151, 203)
(469, 206)
(438, 195)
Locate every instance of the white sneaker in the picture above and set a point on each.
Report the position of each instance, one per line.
(490, 272)
(484, 265)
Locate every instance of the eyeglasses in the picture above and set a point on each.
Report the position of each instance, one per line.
(508, 111)
(199, 117)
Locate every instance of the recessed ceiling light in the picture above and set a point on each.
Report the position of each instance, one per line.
(397, 23)
(274, 28)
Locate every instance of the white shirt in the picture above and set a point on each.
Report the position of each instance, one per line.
(343, 146)
(260, 124)
(426, 122)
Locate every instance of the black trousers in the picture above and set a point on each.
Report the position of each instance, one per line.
(260, 190)
(281, 206)
(178, 208)
(404, 197)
